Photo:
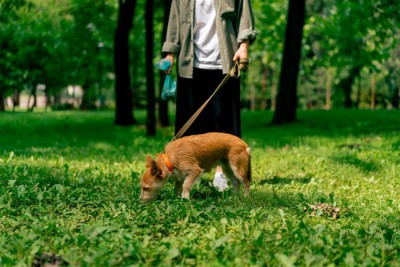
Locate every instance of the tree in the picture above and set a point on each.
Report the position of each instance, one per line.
(151, 117)
(163, 104)
(266, 53)
(353, 38)
(10, 73)
(392, 78)
(124, 106)
(286, 103)
(90, 47)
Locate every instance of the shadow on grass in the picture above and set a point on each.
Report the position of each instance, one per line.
(81, 136)
(333, 124)
(365, 166)
(274, 200)
(396, 146)
(88, 135)
(102, 195)
(283, 180)
(205, 194)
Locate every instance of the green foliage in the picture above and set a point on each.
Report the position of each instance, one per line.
(356, 33)
(340, 38)
(57, 43)
(69, 185)
(266, 52)
(90, 38)
(65, 42)
(349, 40)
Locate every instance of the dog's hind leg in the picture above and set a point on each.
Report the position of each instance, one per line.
(240, 163)
(232, 177)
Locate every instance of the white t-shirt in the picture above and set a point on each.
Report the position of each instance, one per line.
(205, 39)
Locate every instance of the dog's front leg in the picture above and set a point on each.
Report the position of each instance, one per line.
(189, 181)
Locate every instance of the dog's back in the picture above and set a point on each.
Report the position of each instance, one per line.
(210, 149)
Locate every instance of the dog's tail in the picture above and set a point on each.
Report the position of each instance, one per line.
(249, 164)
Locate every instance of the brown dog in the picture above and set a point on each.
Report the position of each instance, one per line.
(187, 158)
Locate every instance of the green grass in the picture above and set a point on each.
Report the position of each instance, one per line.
(69, 186)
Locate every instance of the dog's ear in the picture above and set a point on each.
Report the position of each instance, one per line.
(148, 161)
(155, 170)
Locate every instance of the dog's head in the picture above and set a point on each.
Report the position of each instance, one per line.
(152, 180)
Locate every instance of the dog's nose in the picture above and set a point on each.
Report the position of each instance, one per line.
(145, 199)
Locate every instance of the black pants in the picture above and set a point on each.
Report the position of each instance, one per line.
(222, 114)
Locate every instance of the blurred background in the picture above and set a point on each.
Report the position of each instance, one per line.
(100, 54)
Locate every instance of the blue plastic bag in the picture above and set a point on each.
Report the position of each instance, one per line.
(169, 87)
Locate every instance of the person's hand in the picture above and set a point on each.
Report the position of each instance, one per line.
(171, 58)
(242, 54)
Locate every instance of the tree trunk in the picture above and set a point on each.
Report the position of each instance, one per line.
(124, 106)
(286, 102)
(2, 106)
(32, 94)
(252, 98)
(163, 115)
(347, 83)
(135, 84)
(100, 96)
(57, 99)
(396, 98)
(373, 90)
(151, 107)
(273, 82)
(15, 99)
(47, 95)
(85, 104)
(273, 96)
(393, 87)
(358, 99)
(264, 81)
(328, 92)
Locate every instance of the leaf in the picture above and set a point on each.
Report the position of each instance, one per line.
(349, 260)
(40, 196)
(60, 188)
(282, 214)
(11, 183)
(21, 190)
(172, 254)
(285, 260)
(220, 241)
(257, 234)
(145, 241)
(101, 230)
(224, 221)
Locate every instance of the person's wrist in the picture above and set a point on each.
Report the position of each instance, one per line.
(244, 44)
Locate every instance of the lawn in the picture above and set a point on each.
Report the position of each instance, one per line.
(325, 191)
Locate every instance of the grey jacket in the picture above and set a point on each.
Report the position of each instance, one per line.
(234, 24)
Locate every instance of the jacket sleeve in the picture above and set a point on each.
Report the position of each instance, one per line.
(172, 43)
(245, 22)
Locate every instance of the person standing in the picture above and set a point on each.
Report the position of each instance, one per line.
(206, 37)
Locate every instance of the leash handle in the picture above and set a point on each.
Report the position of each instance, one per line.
(243, 63)
(234, 73)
